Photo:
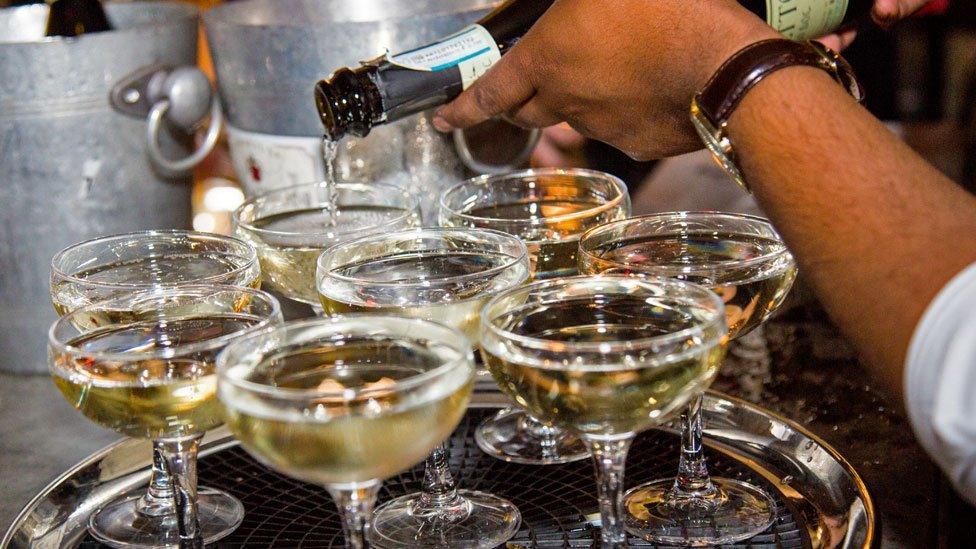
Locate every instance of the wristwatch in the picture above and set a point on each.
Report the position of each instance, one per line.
(713, 105)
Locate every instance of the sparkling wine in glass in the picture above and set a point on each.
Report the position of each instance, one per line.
(548, 209)
(345, 402)
(121, 265)
(605, 357)
(291, 227)
(151, 375)
(745, 261)
(444, 275)
(106, 267)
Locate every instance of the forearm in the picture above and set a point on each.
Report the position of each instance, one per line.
(875, 228)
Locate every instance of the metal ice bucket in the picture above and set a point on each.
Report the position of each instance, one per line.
(74, 167)
(268, 54)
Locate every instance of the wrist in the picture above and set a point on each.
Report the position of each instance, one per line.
(777, 89)
(741, 28)
(721, 97)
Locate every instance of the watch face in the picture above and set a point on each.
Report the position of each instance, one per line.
(717, 144)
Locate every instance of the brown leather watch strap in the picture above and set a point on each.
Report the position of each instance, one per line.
(746, 68)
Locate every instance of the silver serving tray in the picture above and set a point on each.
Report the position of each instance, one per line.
(826, 496)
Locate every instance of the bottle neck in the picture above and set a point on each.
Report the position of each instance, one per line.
(349, 102)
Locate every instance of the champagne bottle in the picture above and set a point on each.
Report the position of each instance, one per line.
(353, 100)
(74, 17)
(808, 19)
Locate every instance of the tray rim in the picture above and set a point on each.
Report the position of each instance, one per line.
(871, 540)
(220, 438)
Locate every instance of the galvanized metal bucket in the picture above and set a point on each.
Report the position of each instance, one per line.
(73, 166)
(268, 54)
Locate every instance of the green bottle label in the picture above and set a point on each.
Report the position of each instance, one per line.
(805, 19)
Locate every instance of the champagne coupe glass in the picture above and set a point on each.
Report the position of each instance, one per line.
(444, 275)
(291, 227)
(120, 265)
(745, 261)
(98, 269)
(149, 373)
(548, 209)
(344, 402)
(606, 357)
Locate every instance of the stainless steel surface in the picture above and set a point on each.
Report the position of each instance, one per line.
(820, 485)
(73, 167)
(268, 54)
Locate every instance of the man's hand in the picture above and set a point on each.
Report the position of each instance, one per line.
(621, 71)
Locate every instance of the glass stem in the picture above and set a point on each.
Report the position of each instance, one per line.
(749, 363)
(693, 480)
(546, 434)
(355, 502)
(179, 461)
(158, 500)
(609, 456)
(439, 497)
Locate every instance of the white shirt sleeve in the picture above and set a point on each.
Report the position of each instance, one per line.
(940, 381)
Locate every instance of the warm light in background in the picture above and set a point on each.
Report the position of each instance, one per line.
(223, 198)
(214, 202)
(214, 198)
(205, 222)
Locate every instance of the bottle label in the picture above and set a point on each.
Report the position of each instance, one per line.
(805, 19)
(472, 50)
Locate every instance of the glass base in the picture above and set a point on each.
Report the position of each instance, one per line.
(737, 511)
(509, 436)
(122, 524)
(480, 520)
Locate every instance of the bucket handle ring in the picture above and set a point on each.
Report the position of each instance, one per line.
(155, 119)
(180, 94)
(475, 165)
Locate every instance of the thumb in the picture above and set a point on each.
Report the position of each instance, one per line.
(839, 41)
(503, 88)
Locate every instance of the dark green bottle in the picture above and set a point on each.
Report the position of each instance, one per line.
(353, 100)
(76, 17)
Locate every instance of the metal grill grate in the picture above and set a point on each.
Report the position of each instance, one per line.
(557, 502)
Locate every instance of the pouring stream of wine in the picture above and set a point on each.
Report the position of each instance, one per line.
(329, 150)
